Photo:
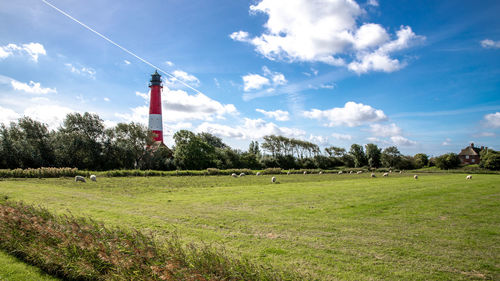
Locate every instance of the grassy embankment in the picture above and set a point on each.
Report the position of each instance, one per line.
(440, 227)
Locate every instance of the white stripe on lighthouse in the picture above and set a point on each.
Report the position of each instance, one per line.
(155, 122)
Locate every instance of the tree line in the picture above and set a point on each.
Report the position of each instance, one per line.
(83, 142)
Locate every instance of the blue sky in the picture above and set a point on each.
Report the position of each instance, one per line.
(421, 75)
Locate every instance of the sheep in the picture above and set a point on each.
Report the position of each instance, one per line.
(273, 179)
(415, 177)
(390, 171)
(93, 178)
(258, 174)
(350, 172)
(242, 174)
(79, 178)
(234, 175)
(305, 172)
(359, 172)
(321, 172)
(340, 172)
(400, 172)
(288, 172)
(372, 175)
(386, 174)
(469, 177)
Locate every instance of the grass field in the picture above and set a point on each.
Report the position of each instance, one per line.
(333, 227)
(12, 269)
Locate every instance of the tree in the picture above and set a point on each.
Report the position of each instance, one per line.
(79, 141)
(373, 154)
(358, 154)
(490, 160)
(447, 161)
(132, 142)
(212, 140)
(334, 151)
(421, 160)
(391, 157)
(191, 152)
(254, 148)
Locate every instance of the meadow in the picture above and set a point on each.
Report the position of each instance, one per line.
(330, 227)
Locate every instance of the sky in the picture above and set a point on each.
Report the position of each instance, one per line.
(421, 75)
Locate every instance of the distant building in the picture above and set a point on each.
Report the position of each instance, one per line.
(470, 154)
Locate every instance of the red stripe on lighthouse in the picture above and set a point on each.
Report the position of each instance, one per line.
(155, 117)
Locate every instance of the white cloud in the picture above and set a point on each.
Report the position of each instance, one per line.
(446, 142)
(85, 71)
(321, 140)
(487, 43)
(373, 3)
(276, 77)
(216, 82)
(492, 120)
(106, 99)
(250, 129)
(8, 115)
(145, 96)
(487, 134)
(342, 136)
(385, 130)
(279, 115)
(34, 50)
(183, 76)
(126, 62)
(52, 115)
(239, 36)
(402, 141)
(139, 114)
(351, 115)
(169, 63)
(254, 82)
(31, 88)
(326, 31)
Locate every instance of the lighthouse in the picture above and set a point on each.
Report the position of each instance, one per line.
(155, 118)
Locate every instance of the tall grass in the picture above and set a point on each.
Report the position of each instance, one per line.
(82, 249)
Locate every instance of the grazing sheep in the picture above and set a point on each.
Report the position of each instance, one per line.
(234, 175)
(386, 174)
(469, 177)
(400, 172)
(288, 172)
(258, 174)
(350, 172)
(242, 174)
(93, 178)
(305, 172)
(79, 178)
(321, 172)
(273, 179)
(390, 171)
(415, 177)
(372, 175)
(340, 172)
(359, 172)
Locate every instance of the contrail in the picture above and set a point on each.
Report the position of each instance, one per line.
(119, 46)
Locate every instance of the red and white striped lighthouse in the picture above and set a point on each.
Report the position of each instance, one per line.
(155, 119)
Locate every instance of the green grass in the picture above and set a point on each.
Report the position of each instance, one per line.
(334, 227)
(11, 269)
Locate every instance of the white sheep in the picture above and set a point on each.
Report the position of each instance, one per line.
(469, 177)
(273, 179)
(340, 172)
(350, 172)
(386, 174)
(390, 171)
(415, 177)
(305, 172)
(372, 175)
(288, 172)
(93, 178)
(234, 175)
(242, 174)
(400, 172)
(79, 178)
(359, 172)
(258, 174)
(321, 172)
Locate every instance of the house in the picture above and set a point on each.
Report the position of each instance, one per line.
(470, 154)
